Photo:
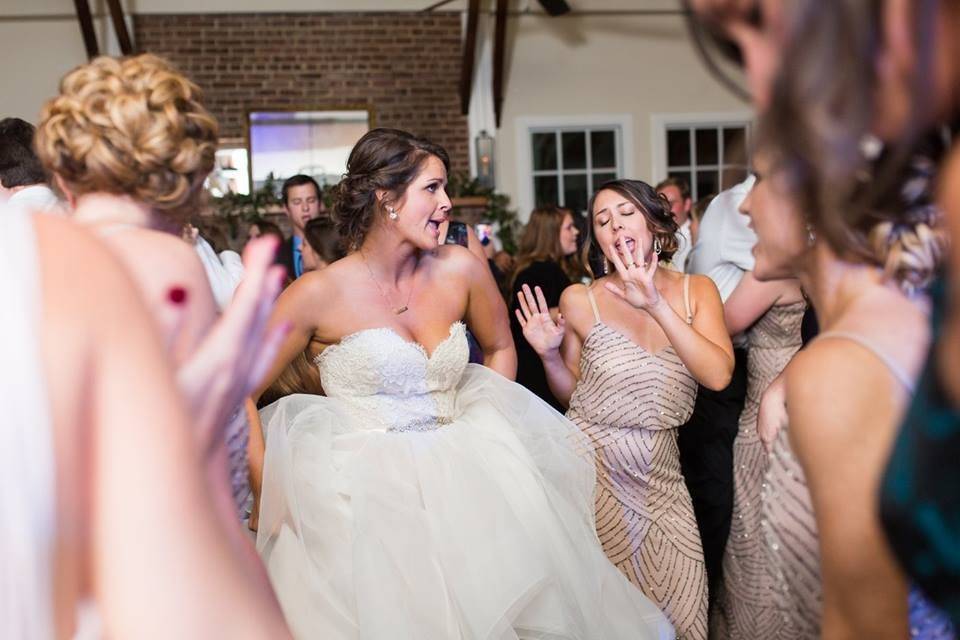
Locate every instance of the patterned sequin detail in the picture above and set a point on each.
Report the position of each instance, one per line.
(745, 608)
(629, 402)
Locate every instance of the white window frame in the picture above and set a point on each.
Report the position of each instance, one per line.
(661, 122)
(526, 126)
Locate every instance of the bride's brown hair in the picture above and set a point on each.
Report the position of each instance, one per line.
(382, 160)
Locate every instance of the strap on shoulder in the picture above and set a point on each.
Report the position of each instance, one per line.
(686, 298)
(593, 304)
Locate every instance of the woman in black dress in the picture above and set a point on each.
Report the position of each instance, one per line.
(547, 258)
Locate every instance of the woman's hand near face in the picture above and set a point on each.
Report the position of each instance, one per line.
(638, 288)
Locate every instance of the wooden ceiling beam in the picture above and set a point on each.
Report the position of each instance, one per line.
(120, 27)
(499, 44)
(469, 55)
(86, 28)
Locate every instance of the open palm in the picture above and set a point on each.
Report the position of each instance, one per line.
(539, 328)
(638, 287)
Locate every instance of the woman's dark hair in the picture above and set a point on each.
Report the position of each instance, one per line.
(383, 159)
(322, 235)
(655, 210)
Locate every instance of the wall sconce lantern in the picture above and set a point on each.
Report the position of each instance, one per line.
(484, 147)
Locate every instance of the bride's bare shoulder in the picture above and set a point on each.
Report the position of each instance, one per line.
(452, 259)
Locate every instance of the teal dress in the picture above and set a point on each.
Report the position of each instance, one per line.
(920, 495)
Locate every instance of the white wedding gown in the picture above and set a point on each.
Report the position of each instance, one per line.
(427, 499)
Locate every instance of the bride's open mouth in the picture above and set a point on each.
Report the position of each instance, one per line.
(434, 225)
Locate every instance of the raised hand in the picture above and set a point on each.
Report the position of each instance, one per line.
(539, 328)
(235, 355)
(638, 287)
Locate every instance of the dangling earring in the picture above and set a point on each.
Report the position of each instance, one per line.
(393, 213)
(657, 246)
(811, 236)
(606, 267)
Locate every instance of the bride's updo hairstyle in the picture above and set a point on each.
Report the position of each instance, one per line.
(382, 160)
(130, 126)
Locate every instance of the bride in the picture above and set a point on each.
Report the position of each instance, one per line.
(424, 497)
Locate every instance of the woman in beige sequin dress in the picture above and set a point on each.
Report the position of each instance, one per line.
(626, 356)
(771, 314)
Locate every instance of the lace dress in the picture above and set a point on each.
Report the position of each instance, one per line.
(425, 498)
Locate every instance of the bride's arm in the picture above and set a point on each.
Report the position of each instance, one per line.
(488, 320)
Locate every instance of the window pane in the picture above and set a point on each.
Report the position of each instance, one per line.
(708, 184)
(545, 190)
(603, 149)
(735, 145)
(707, 150)
(544, 151)
(574, 149)
(678, 147)
(575, 192)
(732, 176)
(600, 178)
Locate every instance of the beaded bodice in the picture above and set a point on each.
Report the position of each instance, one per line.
(392, 383)
(623, 385)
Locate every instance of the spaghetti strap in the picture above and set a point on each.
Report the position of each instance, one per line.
(593, 305)
(686, 298)
(867, 344)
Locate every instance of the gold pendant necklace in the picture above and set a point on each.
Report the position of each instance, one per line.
(383, 294)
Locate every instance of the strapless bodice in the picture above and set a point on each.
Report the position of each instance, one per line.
(393, 382)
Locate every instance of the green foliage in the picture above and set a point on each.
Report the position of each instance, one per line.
(235, 207)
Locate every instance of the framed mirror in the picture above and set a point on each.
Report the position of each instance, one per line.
(315, 143)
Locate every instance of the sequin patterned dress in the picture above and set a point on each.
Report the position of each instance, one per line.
(630, 402)
(791, 546)
(744, 608)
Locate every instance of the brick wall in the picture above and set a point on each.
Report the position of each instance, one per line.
(403, 66)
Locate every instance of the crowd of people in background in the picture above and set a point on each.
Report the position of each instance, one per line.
(732, 418)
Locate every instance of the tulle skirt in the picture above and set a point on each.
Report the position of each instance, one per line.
(480, 529)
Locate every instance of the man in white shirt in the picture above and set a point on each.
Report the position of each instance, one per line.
(677, 193)
(725, 241)
(22, 178)
(723, 253)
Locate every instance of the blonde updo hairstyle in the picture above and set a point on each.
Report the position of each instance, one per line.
(131, 126)
(382, 160)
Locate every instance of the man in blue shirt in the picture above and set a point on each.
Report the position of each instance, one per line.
(302, 203)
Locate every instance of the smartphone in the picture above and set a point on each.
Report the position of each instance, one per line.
(484, 232)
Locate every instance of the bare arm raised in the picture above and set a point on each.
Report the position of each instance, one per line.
(704, 345)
